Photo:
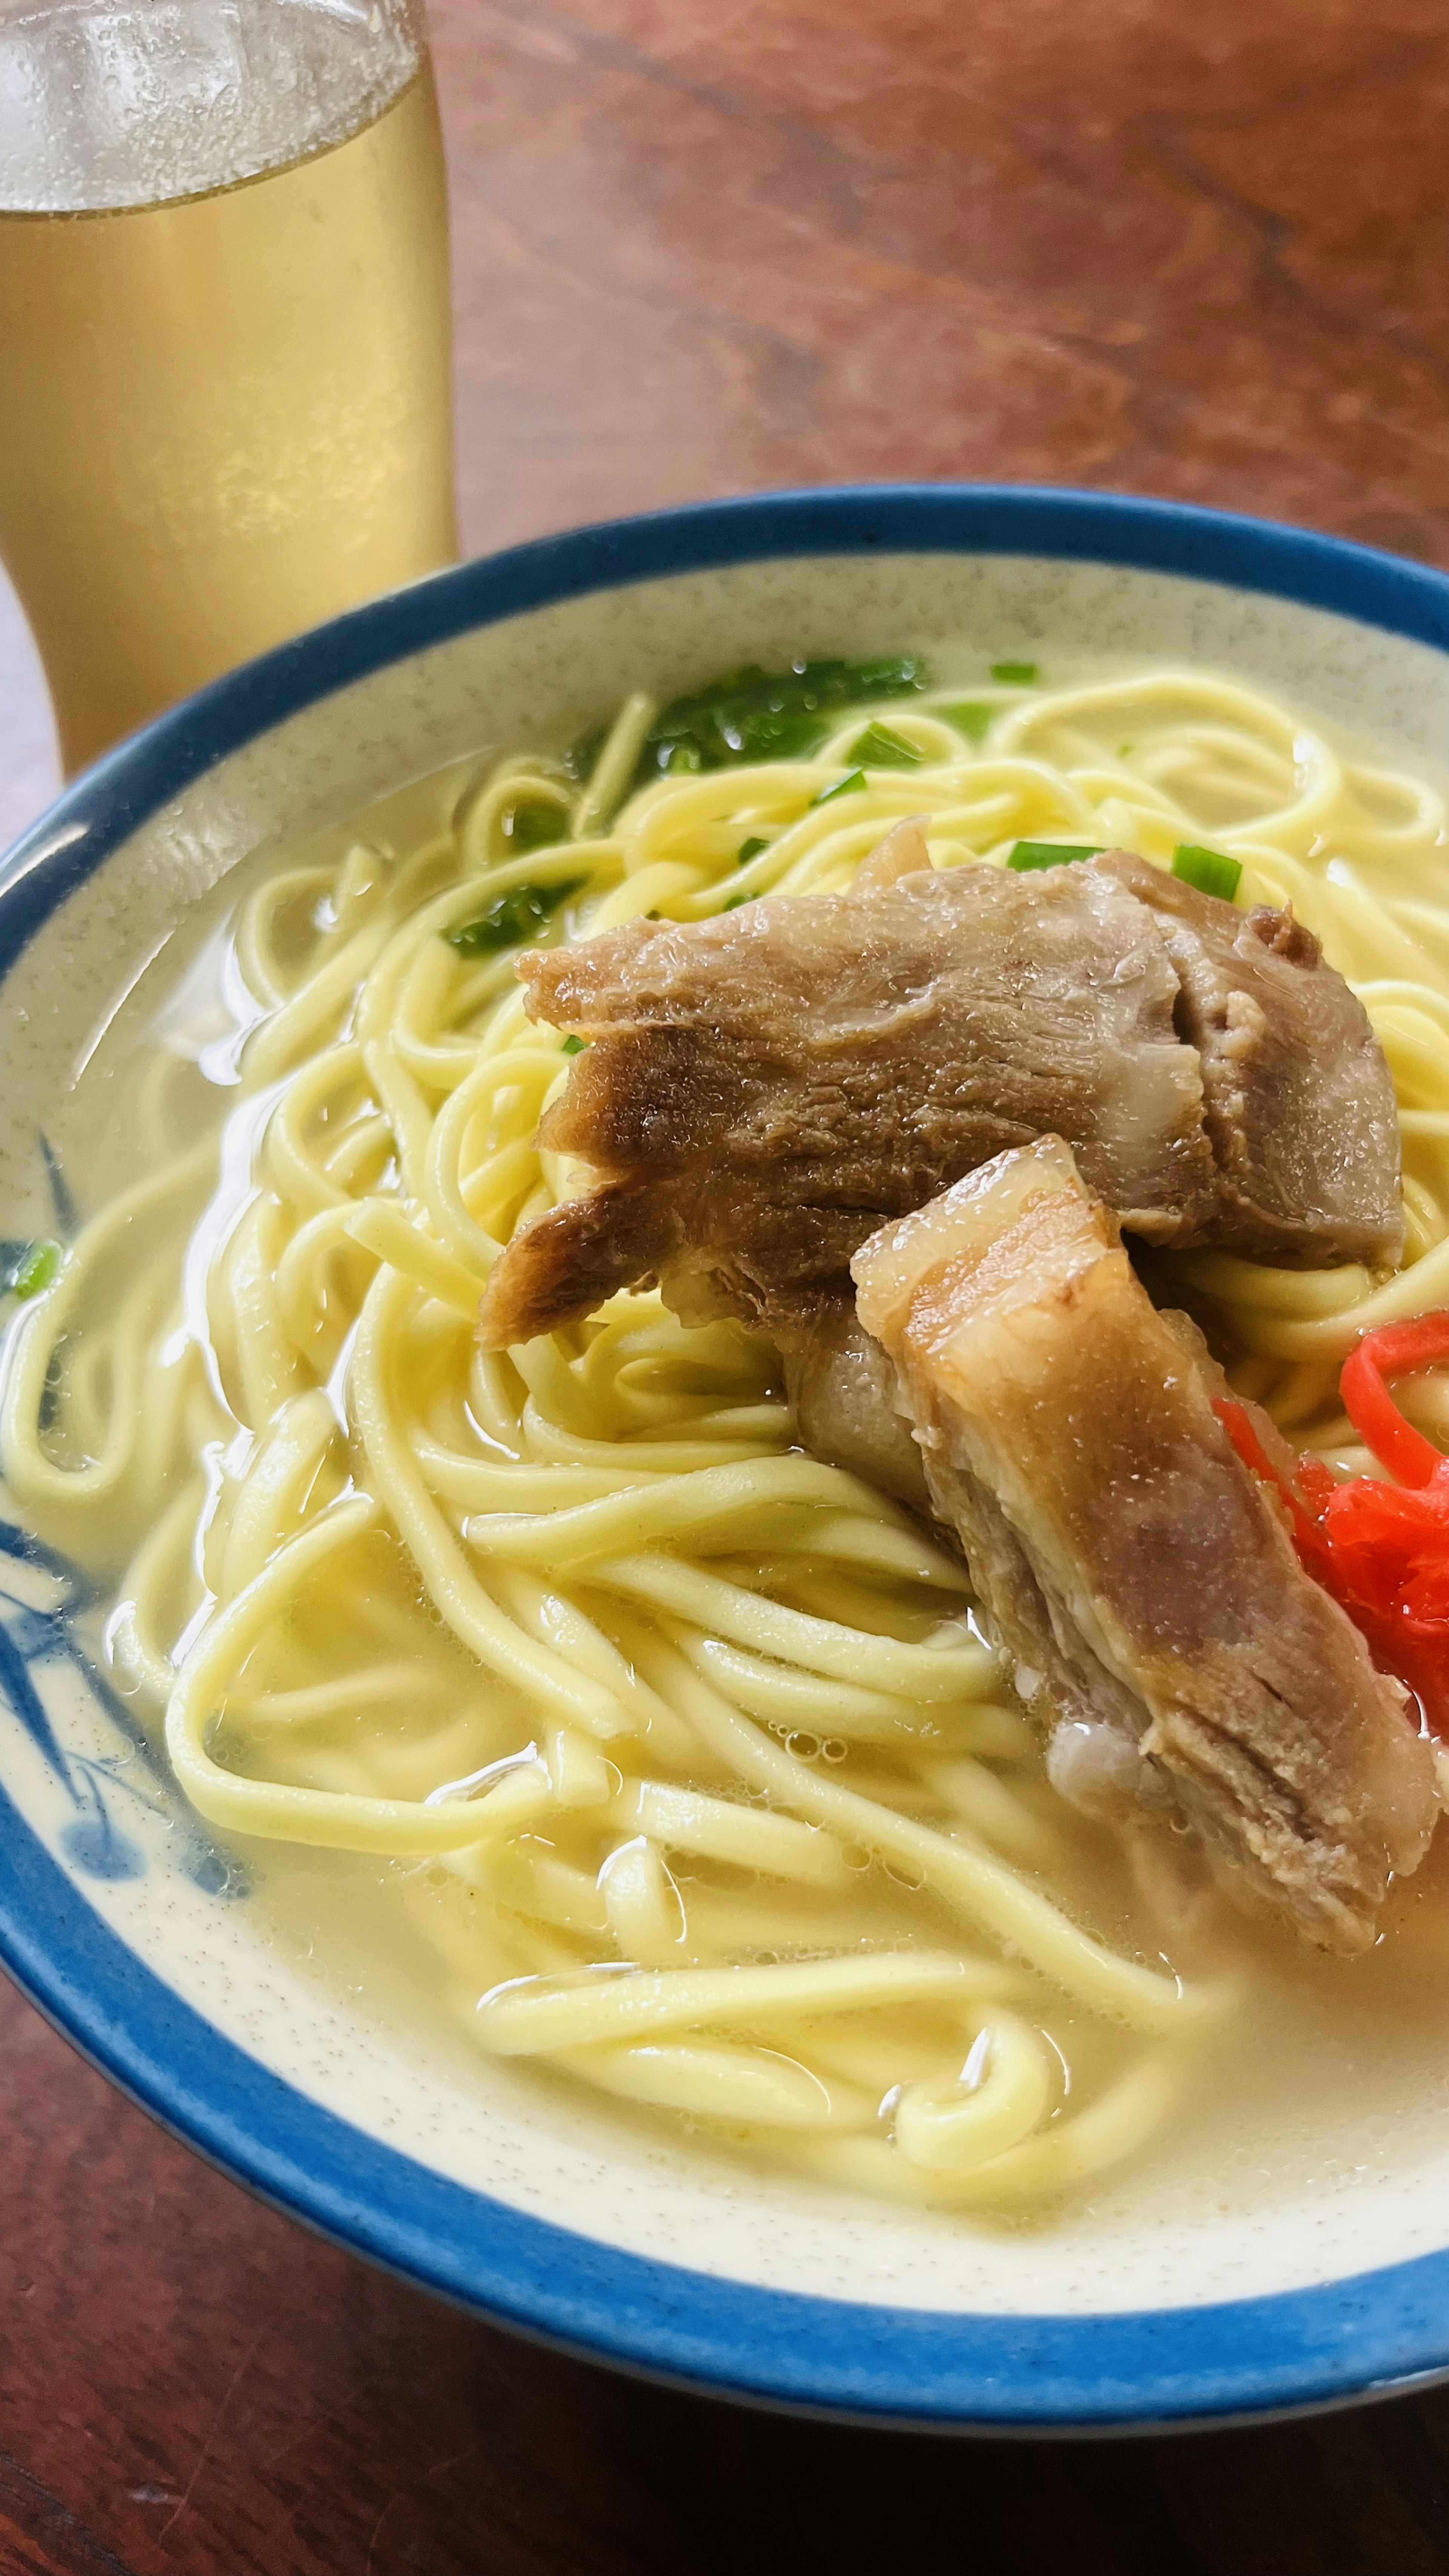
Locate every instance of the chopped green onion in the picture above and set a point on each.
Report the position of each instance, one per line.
(574, 1046)
(1050, 854)
(533, 827)
(582, 757)
(513, 918)
(971, 718)
(754, 714)
(850, 785)
(28, 1268)
(1014, 675)
(750, 849)
(733, 902)
(881, 747)
(1209, 870)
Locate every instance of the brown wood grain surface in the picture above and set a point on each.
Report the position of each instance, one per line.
(1195, 247)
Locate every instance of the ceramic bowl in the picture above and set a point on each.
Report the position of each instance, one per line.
(148, 1946)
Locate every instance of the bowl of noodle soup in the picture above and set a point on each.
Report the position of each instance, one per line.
(518, 1810)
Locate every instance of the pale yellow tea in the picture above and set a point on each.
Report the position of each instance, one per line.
(227, 414)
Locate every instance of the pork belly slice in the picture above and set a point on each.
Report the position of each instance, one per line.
(1134, 1569)
(1299, 1103)
(763, 1088)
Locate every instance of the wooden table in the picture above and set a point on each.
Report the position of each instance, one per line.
(702, 245)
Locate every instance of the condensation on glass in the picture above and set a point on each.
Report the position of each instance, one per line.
(224, 307)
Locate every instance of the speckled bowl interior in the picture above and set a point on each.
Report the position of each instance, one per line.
(150, 1946)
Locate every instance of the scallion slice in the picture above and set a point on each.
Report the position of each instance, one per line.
(533, 826)
(27, 1269)
(850, 785)
(1014, 675)
(1211, 871)
(513, 918)
(971, 718)
(881, 747)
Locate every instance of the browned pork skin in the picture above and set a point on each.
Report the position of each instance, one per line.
(766, 1086)
(1135, 1571)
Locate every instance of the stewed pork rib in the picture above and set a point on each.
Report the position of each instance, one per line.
(1153, 1607)
(763, 1088)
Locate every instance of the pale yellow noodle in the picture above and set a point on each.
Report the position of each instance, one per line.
(732, 1817)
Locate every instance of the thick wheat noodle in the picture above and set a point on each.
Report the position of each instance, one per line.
(552, 1617)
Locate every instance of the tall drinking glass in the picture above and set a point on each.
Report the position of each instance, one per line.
(225, 369)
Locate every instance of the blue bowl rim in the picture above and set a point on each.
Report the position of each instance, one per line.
(1039, 2373)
